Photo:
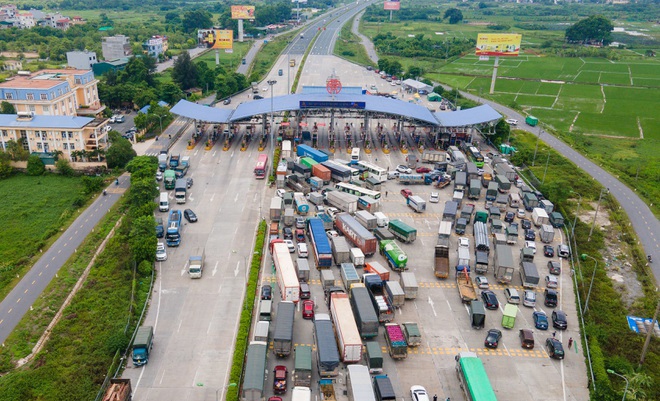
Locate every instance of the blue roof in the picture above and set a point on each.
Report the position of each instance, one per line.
(201, 112)
(39, 121)
(462, 118)
(345, 90)
(146, 108)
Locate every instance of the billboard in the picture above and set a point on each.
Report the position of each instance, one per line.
(498, 44)
(218, 38)
(393, 5)
(242, 12)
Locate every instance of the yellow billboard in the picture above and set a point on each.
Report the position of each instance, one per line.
(498, 44)
(242, 12)
(219, 39)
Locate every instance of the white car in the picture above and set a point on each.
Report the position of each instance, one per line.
(280, 193)
(320, 209)
(435, 197)
(511, 121)
(159, 175)
(332, 212)
(374, 88)
(302, 250)
(332, 233)
(290, 245)
(521, 213)
(529, 298)
(403, 169)
(161, 253)
(418, 393)
(551, 282)
(482, 282)
(463, 242)
(531, 244)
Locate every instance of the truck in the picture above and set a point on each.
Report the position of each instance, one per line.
(414, 179)
(486, 178)
(302, 170)
(297, 184)
(174, 161)
(529, 275)
(327, 359)
(173, 234)
(363, 310)
(481, 262)
(503, 264)
(509, 316)
(441, 264)
(322, 172)
(287, 279)
(169, 179)
(395, 256)
(374, 356)
(185, 161)
(395, 293)
(275, 208)
(384, 388)
(416, 203)
(327, 279)
(320, 243)
(162, 160)
(431, 156)
(402, 231)
(540, 217)
(465, 286)
(547, 233)
(556, 220)
(503, 183)
(530, 201)
(358, 383)
(368, 220)
(506, 170)
(412, 333)
(511, 234)
(283, 334)
(531, 121)
(396, 341)
(327, 390)
(356, 233)
(340, 250)
(328, 224)
(255, 371)
(376, 288)
(469, 366)
(118, 390)
(357, 257)
(463, 260)
(288, 217)
(308, 161)
(481, 241)
(142, 345)
(300, 203)
(342, 201)
(302, 269)
(302, 370)
(450, 211)
(475, 189)
(477, 315)
(381, 219)
(409, 284)
(460, 181)
(377, 268)
(180, 189)
(308, 151)
(348, 336)
(255, 87)
(196, 263)
(349, 275)
(181, 170)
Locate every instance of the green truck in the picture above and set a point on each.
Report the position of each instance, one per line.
(142, 345)
(302, 374)
(402, 231)
(532, 121)
(396, 257)
(169, 178)
(308, 161)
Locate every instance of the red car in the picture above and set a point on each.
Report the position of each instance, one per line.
(423, 170)
(308, 309)
(279, 379)
(406, 193)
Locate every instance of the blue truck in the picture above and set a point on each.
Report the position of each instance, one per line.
(322, 249)
(173, 235)
(308, 151)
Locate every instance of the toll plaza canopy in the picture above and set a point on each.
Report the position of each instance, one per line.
(353, 102)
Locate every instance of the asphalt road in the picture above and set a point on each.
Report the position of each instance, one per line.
(19, 301)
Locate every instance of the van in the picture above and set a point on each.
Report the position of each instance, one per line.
(305, 291)
(381, 219)
(477, 314)
(265, 308)
(526, 338)
(280, 72)
(512, 296)
(164, 203)
(514, 200)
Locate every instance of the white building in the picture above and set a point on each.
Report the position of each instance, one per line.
(81, 60)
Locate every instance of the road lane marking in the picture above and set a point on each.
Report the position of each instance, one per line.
(18, 300)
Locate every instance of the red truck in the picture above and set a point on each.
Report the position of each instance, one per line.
(279, 380)
(356, 233)
(322, 172)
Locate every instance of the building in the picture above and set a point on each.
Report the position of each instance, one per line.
(68, 134)
(81, 60)
(25, 20)
(115, 47)
(12, 65)
(67, 92)
(102, 67)
(155, 46)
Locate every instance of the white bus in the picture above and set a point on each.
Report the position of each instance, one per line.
(375, 171)
(355, 173)
(355, 155)
(357, 191)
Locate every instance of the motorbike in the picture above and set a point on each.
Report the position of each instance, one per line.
(650, 259)
(104, 192)
(117, 181)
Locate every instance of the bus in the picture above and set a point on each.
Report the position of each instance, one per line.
(476, 156)
(355, 173)
(374, 171)
(338, 172)
(260, 167)
(355, 155)
(357, 191)
(473, 378)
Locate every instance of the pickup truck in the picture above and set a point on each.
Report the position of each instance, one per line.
(279, 379)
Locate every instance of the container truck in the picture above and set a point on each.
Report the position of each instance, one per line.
(463, 262)
(196, 263)
(327, 279)
(503, 183)
(465, 286)
(276, 209)
(409, 284)
(481, 241)
(475, 189)
(539, 217)
(174, 161)
(416, 203)
(358, 384)
(377, 268)
(180, 190)
(384, 388)
(343, 201)
(356, 233)
(118, 390)
(348, 336)
(308, 151)
(395, 293)
(298, 184)
(169, 179)
(320, 243)
(357, 257)
(450, 211)
(300, 203)
(374, 356)
(383, 233)
(302, 373)
(363, 310)
(396, 341)
(414, 179)
(412, 333)
(142, 345)
(395, 256)
(302, 269)
(381, 219)
(340, 250)
(503, 264)
(402, 231)
(547, 233)
(316, 184)
(481, 262)
(322, 172)
(367, 219)
(287, 279)
(431, 156)
(162, 160)
(376, 288)
(349, 275)
(368, 204)
(326, 345)
(529, 275)
(283, 334)
(328, 224)
(255, 372)
(302, 170)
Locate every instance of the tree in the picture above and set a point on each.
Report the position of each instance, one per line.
(142, 167)
(142, 239)
(184, 72)
(7, 108)
(143, 191)
(593, 29)
(170, 93)
(415, 72)
(197, 19)
(119, 153)
(35, 166)
(5, 165)
(454, 14)
(64, 167)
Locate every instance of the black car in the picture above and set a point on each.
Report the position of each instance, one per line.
(288, 233)
(509, 216)
(548, 251)
(189, 182)
(266, 292)
(554, 267)
(559, 320)
(490, 300)
(526, 224)
(190, 215)
(160, 229)
(555, 349)
(540, 320)
(551, 298)
(530, 235)
(257, 97)
(493, 338)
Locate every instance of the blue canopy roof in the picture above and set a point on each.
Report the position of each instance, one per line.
(463, 118)
(200, 112)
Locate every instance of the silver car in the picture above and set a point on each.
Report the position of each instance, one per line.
(161, 253)
(529, 298)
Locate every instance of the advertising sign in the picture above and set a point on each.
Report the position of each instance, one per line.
(242, 12)
(393, 5)
(218, 38)
(498, 44)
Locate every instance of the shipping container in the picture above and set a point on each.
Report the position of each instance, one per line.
(349, 275)
(395, 293)
(402, 231)
(287, 279)
(368, 220)
(364, 312)
(348, 336)
(356, 233)
(320, 243)
(341, 250)
(409, 284)
(326, 345)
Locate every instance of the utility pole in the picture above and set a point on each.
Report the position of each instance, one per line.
(596, 215)
(649, 332)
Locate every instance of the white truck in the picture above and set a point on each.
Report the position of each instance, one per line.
(381, 219)
(540, 217)
(343, 201)
(196, 263)
(357, 257)
(416, 203)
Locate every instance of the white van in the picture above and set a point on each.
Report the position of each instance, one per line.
(381, 219)
(514, 200)
(164, 204)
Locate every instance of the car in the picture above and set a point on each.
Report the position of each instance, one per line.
(551, 298)
(305, 292)
(266, 292)
(482, 282)
(287, 232)
(529, 298)
(525, 224)
(512, 296)
(490, 299)
(320, 209)
(403, 169)
(290, 245)
(406, 193)
(509, 216)
(369, 68)
(549, 251)
(161, 253)
(423, 170)
(531, 244)
(511, 121)
(190, 215)
(423, 92)
(418, 393)
(559, 320)
(331, 234)
(264, 89)
(554, 267)
(120, 119)
(463, 242)
(159, 175)
(131, 130)
(189, 182)
(302, 250)
(555, 348)
(279, 379)
(300, 235)
(393, 83)
(563, 251)
(257, 97)
(112, 119)
(160, 228)
(530, 235)
(308, 309)
(434, 198)
(540, 320)
(373, 88)
(526, 338)
(300, 222)
(332, 212)
(493, 338)
(273, 398)
(551, 282)
(280, 193)
(480, 171)
(227, 101)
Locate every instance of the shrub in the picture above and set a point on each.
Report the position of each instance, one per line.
(35, 166)
(64, 167)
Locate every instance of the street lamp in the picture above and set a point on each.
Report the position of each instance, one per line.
(606, 190)
(584, 256)
(537, 146)
(271, 82)
(576, 213)
(624, 378)
(160, 120)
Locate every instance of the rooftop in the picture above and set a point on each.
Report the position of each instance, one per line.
(39, 121)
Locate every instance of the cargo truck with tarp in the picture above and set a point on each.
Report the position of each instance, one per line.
(374, 356)
(529, 275)
(302, 370)
(473, 378)
(409, 284)
(320, 243)
(142, 344)
(356, 233)
(395, 256)
(450, 211)
(396, 341)
(363, 311)
(376, 287)
(402, 231)
(503, 264)
(348, 336)
(477, 314)
(412, 333)
(327, 359)
(481, 262)
(283, 334)
(255, 372)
